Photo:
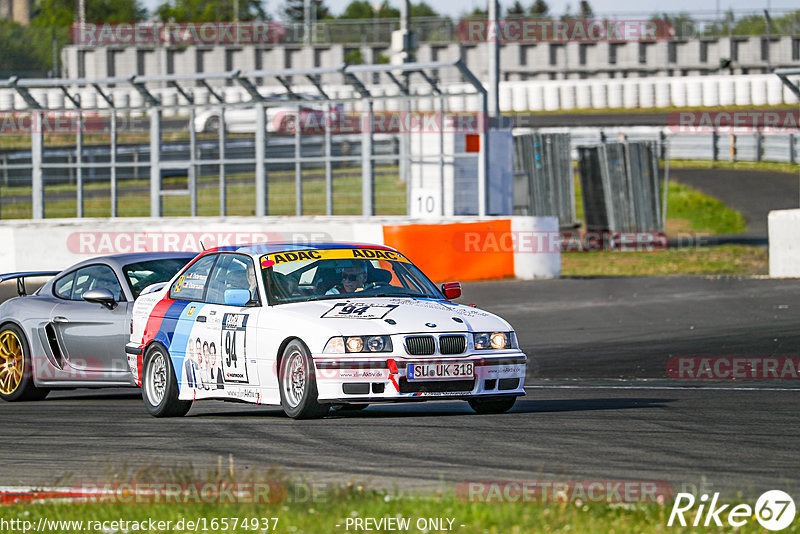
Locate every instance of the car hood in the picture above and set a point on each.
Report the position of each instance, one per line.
(393, 315)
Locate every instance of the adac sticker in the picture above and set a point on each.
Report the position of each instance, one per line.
(269, 260)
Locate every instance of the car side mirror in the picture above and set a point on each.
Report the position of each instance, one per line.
(102, 296)
(451, 290)
(237, 297)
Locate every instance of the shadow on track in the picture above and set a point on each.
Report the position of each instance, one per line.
(451, 409)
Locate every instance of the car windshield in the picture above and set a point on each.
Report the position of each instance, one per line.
(146, 273)
(302, 275)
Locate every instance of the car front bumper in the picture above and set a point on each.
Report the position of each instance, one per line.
(372, 378)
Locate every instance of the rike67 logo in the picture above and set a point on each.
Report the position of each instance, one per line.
(774, 510)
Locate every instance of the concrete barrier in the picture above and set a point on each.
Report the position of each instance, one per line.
(464, 248)
(784, 247)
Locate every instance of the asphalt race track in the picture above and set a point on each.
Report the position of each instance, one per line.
(599, 404)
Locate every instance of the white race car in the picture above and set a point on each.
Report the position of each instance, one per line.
(315, 326)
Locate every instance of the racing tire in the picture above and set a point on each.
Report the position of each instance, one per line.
(298, 383)
(16, 369)
(492, 405)
(159, 385)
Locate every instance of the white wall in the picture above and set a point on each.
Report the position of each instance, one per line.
(743, 90)
(58, 243)
(784, 245)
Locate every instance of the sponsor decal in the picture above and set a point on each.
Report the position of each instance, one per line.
(269, 260)
(356, 310)
(234, 361)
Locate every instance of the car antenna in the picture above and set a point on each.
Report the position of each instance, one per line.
(202, 245)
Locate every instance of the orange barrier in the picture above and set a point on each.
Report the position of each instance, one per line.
(440, 251)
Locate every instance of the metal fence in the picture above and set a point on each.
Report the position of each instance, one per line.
(620, 187)
(544, 177)
(326, 169)
(712, 145)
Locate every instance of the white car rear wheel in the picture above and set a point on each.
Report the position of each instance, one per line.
(159, 385)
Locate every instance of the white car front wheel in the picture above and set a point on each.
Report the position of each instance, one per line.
(298, 383)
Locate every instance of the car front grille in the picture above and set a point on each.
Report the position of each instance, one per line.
(455, 344)
(420, 345)
(436, 386)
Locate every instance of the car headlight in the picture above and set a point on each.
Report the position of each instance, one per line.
(492, 340)
(350, 344)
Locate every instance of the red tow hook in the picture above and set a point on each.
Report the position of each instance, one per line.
(393, 372)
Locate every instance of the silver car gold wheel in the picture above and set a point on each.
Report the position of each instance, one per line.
(294, 382)
(156, 378)
(12, 362)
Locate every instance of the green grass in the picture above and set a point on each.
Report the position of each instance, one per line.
(689, 212)
(731, 260)
(688, 209)
(390, 196)
(332, 515)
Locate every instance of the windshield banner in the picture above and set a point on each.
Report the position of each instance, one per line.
(268, 260)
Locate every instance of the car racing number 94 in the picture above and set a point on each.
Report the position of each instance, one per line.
(234, 359)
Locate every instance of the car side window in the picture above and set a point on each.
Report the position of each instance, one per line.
(191, 284)
(63, 286)
(232, 271)
(96, 277)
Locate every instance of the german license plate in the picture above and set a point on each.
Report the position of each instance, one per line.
(440, 370)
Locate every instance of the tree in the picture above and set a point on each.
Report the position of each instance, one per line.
(540, 10)
(362, 9)
(25, 49)
(423, 10)
(477, 13)
(516, 10)
(49, 13)
(751, 25)
(585, 10)
(210, 11)
(294, 10)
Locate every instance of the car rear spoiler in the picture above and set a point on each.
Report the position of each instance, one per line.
(20, 278)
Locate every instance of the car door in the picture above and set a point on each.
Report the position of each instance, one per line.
(190, 324)
(231, 310)
(91, 336)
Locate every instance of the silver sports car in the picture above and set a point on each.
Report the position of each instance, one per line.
(71, 332)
